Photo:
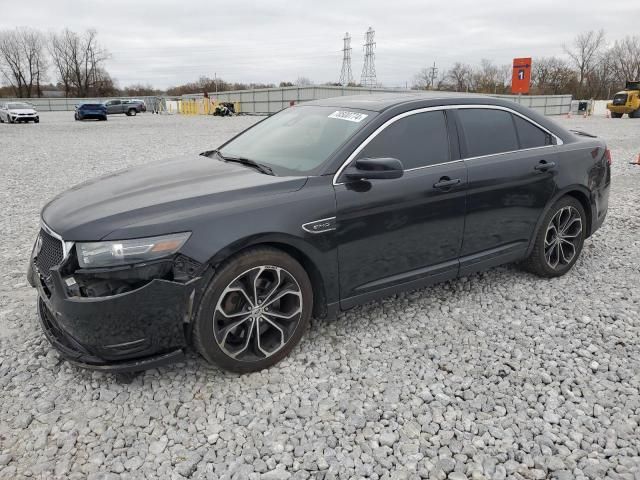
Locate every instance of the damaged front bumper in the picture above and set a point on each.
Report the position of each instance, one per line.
(136, 330)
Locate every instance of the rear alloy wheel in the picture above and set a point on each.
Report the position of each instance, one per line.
(254, 312)
(132, 112)
(560, 239)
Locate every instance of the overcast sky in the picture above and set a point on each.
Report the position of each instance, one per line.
(168, 42)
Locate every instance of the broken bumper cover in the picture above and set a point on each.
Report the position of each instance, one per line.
(132, 331)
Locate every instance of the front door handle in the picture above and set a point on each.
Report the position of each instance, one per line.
(445, 183)
(544, 166)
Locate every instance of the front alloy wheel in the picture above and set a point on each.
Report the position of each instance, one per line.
(257, 313)
(254, 312)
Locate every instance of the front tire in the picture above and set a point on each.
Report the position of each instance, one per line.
(254, 311)
(559, 241)
(132, 112)
(616, 115)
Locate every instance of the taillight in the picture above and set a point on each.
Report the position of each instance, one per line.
(607, 156)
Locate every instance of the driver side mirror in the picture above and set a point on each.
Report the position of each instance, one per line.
(374, 169)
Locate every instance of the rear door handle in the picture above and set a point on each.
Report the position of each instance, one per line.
(544, 166)
(445, 183)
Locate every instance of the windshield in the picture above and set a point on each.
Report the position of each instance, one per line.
(297, 140)
(18, 105)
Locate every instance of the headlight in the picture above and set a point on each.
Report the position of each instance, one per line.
(121, 252)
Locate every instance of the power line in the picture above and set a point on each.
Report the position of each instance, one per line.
(368, 77)
(345, 75)
(433, 73)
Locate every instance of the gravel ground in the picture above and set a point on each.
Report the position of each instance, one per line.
(498, 375)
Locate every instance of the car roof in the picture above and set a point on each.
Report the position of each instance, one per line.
(378, 102)
(404, 101)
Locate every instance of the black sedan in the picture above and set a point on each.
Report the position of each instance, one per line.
(311, 211)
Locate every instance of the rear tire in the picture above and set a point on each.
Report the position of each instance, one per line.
(132, 112)
(559, 241)
(254, 311)
(616, 115)
(635, 114)
(37, 120)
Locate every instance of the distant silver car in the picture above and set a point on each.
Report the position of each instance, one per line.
(18, 112)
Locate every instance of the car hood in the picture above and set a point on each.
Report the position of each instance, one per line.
(22, 110)
(159, 197)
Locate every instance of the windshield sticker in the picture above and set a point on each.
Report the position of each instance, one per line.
(348, 116)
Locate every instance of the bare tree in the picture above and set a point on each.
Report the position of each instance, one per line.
(625, 59)
(22, 60)
(490, 78)
(79, 61)
(303, 82)
(460, 76)
(552, 76)
(422, 80)
(139, 89)
(59, 49)
(585, 54)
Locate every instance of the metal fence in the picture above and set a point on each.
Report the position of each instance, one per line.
(545, 104)
(272, 100)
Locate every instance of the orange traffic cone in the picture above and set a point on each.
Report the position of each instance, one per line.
(569, 114)
(637, 161)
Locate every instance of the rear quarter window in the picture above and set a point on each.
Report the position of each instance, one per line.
(487, 131)
(531, 136)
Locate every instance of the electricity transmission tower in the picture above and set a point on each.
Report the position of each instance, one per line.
(346, 77)
(368, 77)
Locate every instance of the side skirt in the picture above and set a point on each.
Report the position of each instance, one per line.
(492, 258)
(469, 264)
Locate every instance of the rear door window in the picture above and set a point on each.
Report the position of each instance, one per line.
(531, 136)
(487, 131)
(417, 140)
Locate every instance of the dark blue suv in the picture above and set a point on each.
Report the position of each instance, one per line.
(91, 110)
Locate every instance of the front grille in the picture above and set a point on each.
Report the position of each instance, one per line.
(50, 252)
(620, 99)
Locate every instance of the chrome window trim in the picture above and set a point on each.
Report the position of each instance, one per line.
(435, 109)
(66, 246)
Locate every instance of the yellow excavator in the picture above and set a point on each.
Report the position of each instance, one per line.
(627, 101)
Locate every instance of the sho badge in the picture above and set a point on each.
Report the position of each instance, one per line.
(320, 226)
